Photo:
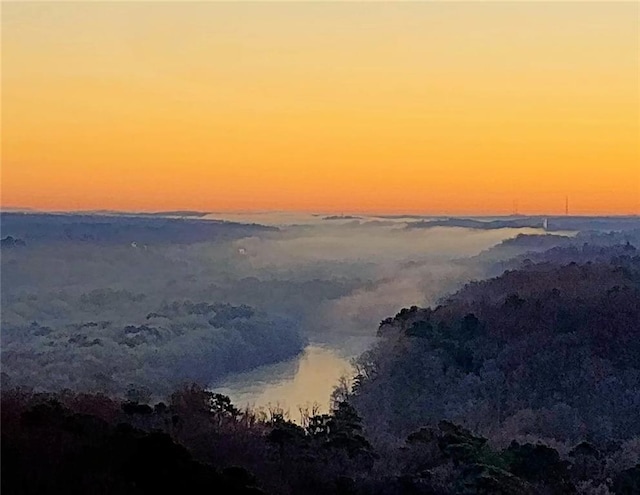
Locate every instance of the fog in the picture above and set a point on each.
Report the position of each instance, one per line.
(89, 310)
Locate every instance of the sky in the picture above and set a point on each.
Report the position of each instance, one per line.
(431, 107)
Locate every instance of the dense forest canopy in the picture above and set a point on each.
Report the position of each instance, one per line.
(528, 351)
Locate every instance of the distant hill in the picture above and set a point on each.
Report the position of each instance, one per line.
(170, 213)
(342, 217)
(551, 223)
(104, 229)
(562, 249)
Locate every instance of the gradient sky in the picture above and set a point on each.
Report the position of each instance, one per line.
(344, 107)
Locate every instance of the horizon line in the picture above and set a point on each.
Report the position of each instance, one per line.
(192, 212)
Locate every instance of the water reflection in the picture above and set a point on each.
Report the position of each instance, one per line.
(303, 381)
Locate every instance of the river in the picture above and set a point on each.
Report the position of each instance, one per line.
(304, 381)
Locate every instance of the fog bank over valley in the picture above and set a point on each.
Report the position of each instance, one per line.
(110, 302)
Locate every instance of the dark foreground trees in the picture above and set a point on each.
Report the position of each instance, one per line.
(200, 443)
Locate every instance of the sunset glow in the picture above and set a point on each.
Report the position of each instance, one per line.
(382, 107)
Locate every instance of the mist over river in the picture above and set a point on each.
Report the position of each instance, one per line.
(270, 312)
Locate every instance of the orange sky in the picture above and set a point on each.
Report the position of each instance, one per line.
(385, 107)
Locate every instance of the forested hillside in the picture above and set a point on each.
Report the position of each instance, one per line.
(550, 350)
